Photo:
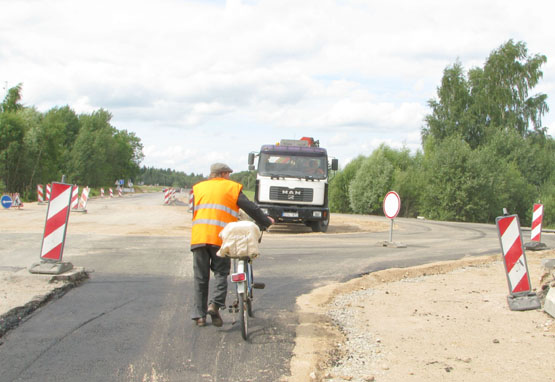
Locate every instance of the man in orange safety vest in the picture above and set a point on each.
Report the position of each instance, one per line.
(216, 202)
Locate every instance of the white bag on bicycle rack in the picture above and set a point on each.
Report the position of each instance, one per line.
(240, 239)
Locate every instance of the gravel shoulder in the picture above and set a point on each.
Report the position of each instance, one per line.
(446, 321)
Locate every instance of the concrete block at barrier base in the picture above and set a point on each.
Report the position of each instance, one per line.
(549, 305)
(535, 246)
(50, 268)
(524, 302)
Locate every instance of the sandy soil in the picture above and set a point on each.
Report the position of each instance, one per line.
(446, 321)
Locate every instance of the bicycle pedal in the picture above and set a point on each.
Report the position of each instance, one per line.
(259, 285)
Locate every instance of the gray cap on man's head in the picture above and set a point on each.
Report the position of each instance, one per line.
(218, 168)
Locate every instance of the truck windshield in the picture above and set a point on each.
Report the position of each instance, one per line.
(272, 164)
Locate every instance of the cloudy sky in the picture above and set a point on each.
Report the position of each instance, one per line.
(205, 81)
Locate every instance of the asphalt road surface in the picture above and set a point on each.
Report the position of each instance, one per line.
(131, 320)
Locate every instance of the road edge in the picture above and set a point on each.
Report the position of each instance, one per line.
(318, 338)
(15, 316)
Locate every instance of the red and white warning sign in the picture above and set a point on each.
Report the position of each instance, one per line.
(57, 217)
(537, 218)
(75, 197)
(40, 193)
(514, 257)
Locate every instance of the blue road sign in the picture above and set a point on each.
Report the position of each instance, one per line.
(6, 201)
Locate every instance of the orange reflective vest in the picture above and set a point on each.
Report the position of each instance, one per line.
(215, 205)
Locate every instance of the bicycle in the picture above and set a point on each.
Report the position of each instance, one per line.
(242, 274)
(243, 279)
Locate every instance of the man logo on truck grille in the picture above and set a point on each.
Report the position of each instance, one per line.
(291, 193)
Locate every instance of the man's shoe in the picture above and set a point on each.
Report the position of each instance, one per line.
(214, 313)
(200, 321)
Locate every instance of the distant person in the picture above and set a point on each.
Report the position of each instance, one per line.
(313, 167)
(216, 202)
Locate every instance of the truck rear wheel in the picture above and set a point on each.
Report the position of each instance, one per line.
(320, 225)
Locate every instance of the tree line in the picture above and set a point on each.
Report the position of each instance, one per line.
(168, 177)
(171, 178)
(484, 149)
(38, 148)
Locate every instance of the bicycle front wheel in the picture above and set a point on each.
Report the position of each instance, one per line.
(244, 315)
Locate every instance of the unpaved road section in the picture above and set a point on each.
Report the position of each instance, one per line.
(446, 321)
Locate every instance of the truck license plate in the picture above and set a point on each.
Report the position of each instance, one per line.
(290, 214)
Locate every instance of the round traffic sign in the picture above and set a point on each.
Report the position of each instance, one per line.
(391, 204)
(6, 201)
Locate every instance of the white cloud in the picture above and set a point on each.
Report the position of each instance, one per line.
(200, 81)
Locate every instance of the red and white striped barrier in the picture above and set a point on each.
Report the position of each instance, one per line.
(56, 222)
(120, 192)
(191, 200)
(75, 197)
(101, 192)
(167, 195)
(537, 218)
(48, 190)
(84, 199)
(521, 296)
(40, 194)
(513, 254)
(111, 193)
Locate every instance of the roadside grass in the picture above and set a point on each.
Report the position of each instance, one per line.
(249, 194)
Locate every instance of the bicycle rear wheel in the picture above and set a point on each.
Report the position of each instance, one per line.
(244, 315)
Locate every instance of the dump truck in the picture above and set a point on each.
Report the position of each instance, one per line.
(292, 182)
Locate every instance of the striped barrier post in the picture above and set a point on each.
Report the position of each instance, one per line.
(40, 194)
(521, 296)
(55, 228)
(111, 193)
(537, 218)
(536, 231)
(75, 197)
(84, 199)
(191, 200)
(120, 192)
(82, 204)
(48, 190)
(167, 195)
(101, 192)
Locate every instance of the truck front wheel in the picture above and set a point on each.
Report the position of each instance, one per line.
(320, 226)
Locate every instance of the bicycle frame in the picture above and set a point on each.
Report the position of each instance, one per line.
(243, 279)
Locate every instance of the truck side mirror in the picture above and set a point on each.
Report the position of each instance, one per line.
(251, 167)
(334, 164)
(251, 160)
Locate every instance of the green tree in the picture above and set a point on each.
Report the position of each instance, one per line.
(11, 100)
(493, 98)
(12, 133)
(372, 181)
(246, 178)
(339, 186)
(408, 182)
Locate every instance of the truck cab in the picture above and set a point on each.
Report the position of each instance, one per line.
(292, 182)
